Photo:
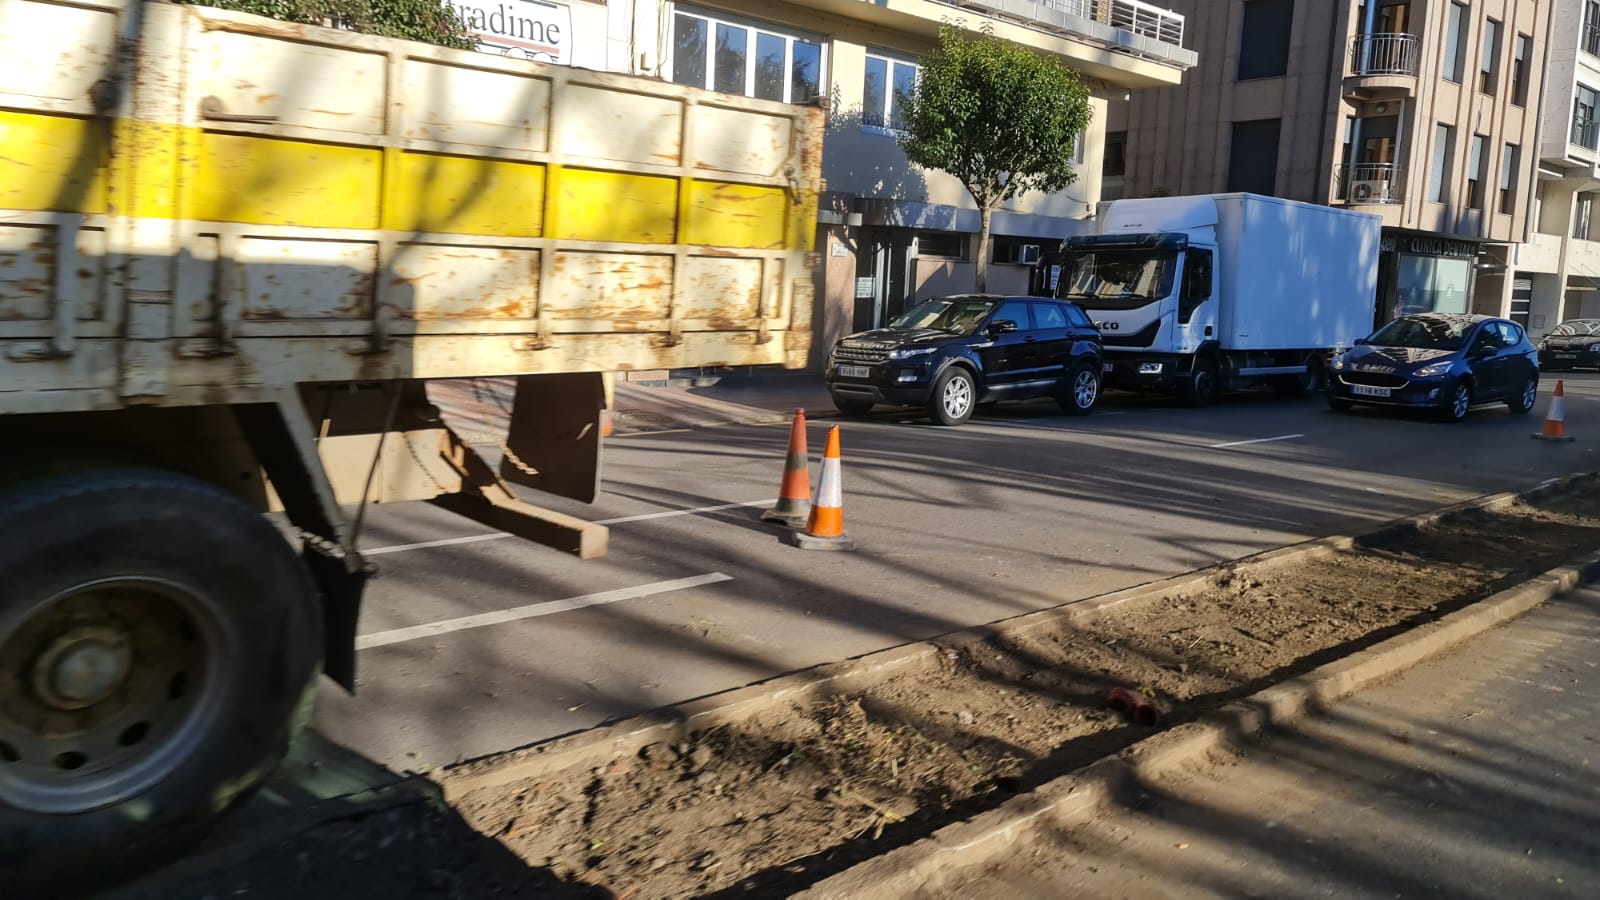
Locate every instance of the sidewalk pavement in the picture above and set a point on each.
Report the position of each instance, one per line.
(1474, 775)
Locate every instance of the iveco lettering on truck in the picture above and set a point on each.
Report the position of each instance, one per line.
(1198, 295)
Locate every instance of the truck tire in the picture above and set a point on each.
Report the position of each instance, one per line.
(1200, 388)
(161, 645)
(1304, 384)
(1080, 392)
(954, 397)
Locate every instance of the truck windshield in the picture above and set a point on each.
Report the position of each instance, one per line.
(1118, 279)
(1424, 333)
(956, 315)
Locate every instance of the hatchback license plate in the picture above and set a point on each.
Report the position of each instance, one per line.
(1566, 356)
(1361, 390)
(855, 372)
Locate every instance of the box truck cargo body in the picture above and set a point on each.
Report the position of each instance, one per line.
(1219, 292)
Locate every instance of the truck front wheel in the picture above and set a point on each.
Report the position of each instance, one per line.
(1200, 388)
(160, 644)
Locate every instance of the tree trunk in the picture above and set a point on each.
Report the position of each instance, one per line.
(984, 212)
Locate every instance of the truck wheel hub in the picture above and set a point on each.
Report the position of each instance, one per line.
(83, 667)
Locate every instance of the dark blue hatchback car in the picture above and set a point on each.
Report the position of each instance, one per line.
(1441, 362)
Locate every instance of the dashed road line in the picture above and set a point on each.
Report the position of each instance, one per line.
(497, 535)
(1266, 440)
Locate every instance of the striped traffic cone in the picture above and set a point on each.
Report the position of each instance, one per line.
(794, 496)
(1555, 421)
(825, 530)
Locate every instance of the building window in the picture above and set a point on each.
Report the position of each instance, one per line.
(1477, 170)
(1519, 70)
(1580, 218)
(1444, 140)
(1591, 27)
(1489, 63)
(1115, 162)
(1584, 131)
(735, 57)
(1253, 157)
(887, 78)
(1455, 42)
(942, 245)
(1510, 161)
(1264, 40)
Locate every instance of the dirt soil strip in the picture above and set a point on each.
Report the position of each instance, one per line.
(775, 788)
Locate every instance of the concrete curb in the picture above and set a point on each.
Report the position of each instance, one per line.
(596, 747)
(1073, 799)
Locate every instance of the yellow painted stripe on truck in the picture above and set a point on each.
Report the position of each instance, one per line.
(52, 163)
(271, 181)
(59, 163)
(616, 206)
(736, 215)
(464, 195)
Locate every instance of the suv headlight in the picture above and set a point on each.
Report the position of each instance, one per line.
(1434, 370)
(910, 352)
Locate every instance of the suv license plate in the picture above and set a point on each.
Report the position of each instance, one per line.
(1566, 356)
(1107, 367)
(855, 372)
(1361, 390)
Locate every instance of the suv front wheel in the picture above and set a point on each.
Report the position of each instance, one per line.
(1080, 391)
(955, 395)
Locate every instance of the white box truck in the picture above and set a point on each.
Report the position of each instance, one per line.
(1210, 293)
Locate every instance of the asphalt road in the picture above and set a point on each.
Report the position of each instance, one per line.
(1470, 776)
(1020, 510)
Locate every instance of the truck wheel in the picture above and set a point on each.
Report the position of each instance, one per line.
(1304, 384)
(161, 645)
(1200, 389)
(954, 397)
(852, 406)
(1080, 392)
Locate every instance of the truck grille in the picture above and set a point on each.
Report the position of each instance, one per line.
(862, 353)
(1374, 379)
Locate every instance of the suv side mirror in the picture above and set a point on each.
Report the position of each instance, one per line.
(1002, 326)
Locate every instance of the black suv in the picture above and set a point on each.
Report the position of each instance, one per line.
(951, 353)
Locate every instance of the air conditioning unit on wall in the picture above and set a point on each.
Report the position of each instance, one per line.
(1369, 192)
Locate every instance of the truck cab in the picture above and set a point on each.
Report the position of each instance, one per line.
(1148, 295)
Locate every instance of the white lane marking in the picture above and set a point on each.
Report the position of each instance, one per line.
(497, 535)
(1281, 437)
(550, 607)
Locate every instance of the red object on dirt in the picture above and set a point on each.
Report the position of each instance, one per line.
(1142, 711)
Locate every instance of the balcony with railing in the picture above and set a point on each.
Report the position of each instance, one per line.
(1130, 26)
(1384, 63)
(1370, 184)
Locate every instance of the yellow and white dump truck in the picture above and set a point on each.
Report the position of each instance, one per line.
(233, 251)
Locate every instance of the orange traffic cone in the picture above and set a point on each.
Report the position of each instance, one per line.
(825, 530)
(1555, 421)
(794, 496)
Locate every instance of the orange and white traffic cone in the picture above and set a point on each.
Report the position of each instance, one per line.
(794, 496)
(1555, 420)
(825, 529)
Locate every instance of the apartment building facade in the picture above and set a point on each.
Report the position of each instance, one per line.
(1556, 273)
(1424, 112)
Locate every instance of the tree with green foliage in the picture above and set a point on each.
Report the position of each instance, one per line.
(998, 116)
(429, 21)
